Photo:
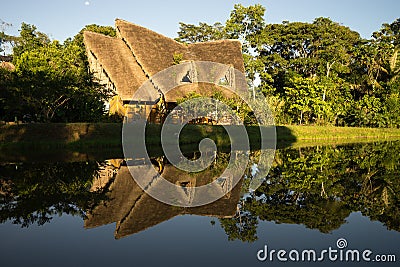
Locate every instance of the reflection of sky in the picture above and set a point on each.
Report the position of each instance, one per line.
(182, 241)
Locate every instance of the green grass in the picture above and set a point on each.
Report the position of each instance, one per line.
(335, 133)
(86, 136)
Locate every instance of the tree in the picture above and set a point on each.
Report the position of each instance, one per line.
(245, 23)
(29, 39)
(387, 41)
(321, 70)
(51, 82)
(301, 96)
(321, 49)
(377, 72)
(190, 33)
(5, 38)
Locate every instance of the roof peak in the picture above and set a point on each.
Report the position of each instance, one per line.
(86, 32)
(131, 24)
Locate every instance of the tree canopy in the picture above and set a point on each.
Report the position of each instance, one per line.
(314, 73)
(51, 82)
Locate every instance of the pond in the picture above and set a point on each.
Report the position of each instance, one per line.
(334, 205)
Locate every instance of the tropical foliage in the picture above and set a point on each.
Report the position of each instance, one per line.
(51, 82)
(314, 73)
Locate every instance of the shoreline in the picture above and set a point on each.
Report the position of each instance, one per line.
(108, 135)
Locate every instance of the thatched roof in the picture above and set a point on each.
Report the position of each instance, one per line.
(204, 89)
(134, 210)
(118, 62)
(7, 65)
(154, 51)
(228, 52)
(138, 53)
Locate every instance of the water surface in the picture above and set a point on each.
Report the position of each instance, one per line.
(92, 213)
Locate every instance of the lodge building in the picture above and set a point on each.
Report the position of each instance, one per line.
(125, 62)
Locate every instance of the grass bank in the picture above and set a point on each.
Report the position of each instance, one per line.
(108, 135)
(334, 133)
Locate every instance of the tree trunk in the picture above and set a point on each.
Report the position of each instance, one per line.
(301, 117)
(328, 71)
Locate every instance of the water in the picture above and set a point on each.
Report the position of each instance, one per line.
(93, 214)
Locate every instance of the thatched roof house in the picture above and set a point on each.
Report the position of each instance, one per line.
(133, 210)
(7, 65)
(125, 62)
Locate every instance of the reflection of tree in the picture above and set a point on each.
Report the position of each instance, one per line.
(33, 193)
(380, 186)
(243, 226)
(314, 186)
(320, 186)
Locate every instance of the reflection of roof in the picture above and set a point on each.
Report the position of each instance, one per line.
(137, 53)
(133, 210)
(123, 193)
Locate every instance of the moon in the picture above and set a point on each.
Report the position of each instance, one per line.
(87, 3)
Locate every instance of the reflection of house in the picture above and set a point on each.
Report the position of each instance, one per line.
(124, 63)
(133, 210)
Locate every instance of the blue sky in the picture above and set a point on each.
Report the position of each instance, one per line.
(64, 18)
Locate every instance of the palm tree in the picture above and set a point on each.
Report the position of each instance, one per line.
(391, 68)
